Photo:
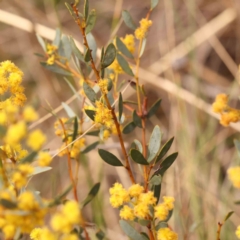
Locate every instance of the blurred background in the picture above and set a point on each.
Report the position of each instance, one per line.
(192, 54)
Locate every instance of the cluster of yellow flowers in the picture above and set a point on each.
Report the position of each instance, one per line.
(234, 176)
(103, 85)
(51, 52)
(141, 31)
(62, 223)
(23, 212)
(11, 79)
(135, 203)
(228, 114)
(75, 149)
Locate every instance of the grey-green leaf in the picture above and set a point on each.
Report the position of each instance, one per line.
(139, 145)
(54, 68)
(38, 170)
(91, 95)
(129, 128)
(228, 216)
(154, 143)
(128, 20)
(75, 128)
(41, 42)
(138, 157)
(70, 9)
(130, 231)
(123, 49)
(154, 108)
(156, 180)
(57, 39)
(109, 158)
(75, 50)
(92, 45)
(124, 65)
(154, 3)
(29, 158)
(90, 147)
(90, 113)
(109, 55)
(93, 192)
(136, 119)
(91, 21)
(68, 110)
(157, 191)
(165, 149)
(65, 48)
(120, 106)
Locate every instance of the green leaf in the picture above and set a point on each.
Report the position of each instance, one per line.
(128, 20)
(109, 85)
(90, 113)
(91, 21)
(38, 170)
(166, 164)
(165, 149)
(145, 235)
(87, 56)
(136, 119)
(100, 234)
(144, 222)
(109, 158)
(154, 108)
(41, 42)
(75, 129)
(57, 39)
(93, 192)
(154, 143)
(70, 10)
(156, 180)
(86, 9)
(138, 157)
(124, 65)
(29, 158)
(91, 95)
(110, 98)
(54, 68)
(8, 204)
(68, 110)
(157, 191)
(109, 55)
(154, 3)
(75, 50)
(139, 145)
(120, 106)
(93, 133)
(65, 48)
(130, 231)
(228, 216)
(123, 49)
(129, 128)
(59, 198)
(90, 147)
(161, 225)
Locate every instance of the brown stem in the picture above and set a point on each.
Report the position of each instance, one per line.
(82, 29)
(69, 163)
(219, 230)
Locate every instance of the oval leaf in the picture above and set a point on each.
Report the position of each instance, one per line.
(136, 119)
(154, 143)
(128, 20)
(124, 65)
(86, 9)
(138, 157)
(166, 164)
(154, 108)
(228, 216)
(157, 191)
(129, 128)
(90, 113)
(91, 95)
(120, 106)
(38, 170)
(29, 158)
(68, 110)
(123, 49)
(87, 56)
(54, 68)
(90, 147)
(75, 50)
(109, 158)
(154, 3)
(156, 180)
(91, 21)
(130, 231)
(93, 192)
(109, 55)
(139, 145)
(165, 149)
